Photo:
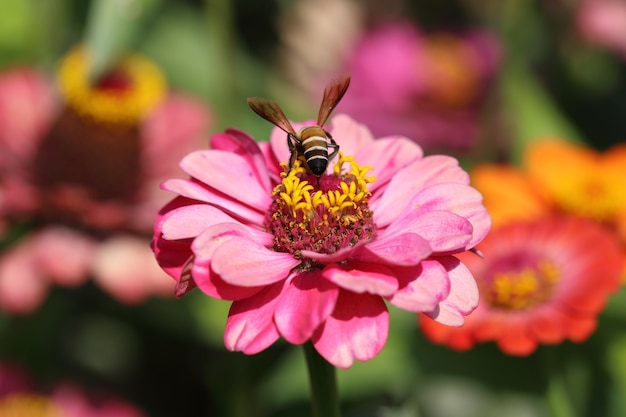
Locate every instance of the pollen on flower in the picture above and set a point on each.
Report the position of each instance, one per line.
(522, 289)
(594, 196)
(322, 215)
(123, 96)
(20, 405)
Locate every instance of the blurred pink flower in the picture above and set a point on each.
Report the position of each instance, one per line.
(315, 259)
(428, 87)
(19, 397)
(603, 22)
(74, 402)
(85, 172)
(13, 379)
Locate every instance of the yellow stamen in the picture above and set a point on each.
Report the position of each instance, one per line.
(299, 196)
(28, 405)
(523, 289)
(146, 88)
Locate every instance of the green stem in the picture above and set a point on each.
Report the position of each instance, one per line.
(557, 396)
(323, 384)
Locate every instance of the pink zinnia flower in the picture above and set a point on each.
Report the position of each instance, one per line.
(315, 259)
(603, 22)
(84, 167)
(540, 283)
(19, 398)
(428, 87)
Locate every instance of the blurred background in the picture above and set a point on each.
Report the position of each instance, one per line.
(86, 316)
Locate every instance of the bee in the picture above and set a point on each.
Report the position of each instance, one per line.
(312, 142)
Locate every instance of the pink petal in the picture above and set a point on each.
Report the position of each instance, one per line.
(73, 402)
(410, 181)
(349, 134)
(250, 325)
(174, 129)
(27, 108)
(22, 287)
(421, 287)
(229, 174)
(394, 249)
(278, 141)
(125, 267)
(191, 221)
(64, 255)
(196, 191)
(204, 277)
(243, 262)
(362, 278)
(240, 143)
(387, 156)
(357, 329)
(172, 256)
(459, 199)
(273, 165)
(306, 302)
(463, 296)
(443, 230)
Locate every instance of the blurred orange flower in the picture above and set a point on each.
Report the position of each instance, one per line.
(540, 282)
(558, 178)
(579, 180)
(508, 194)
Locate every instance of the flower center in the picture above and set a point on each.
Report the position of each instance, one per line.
(593, 196)
(27, 405)
(521, 288)
(125, 95)
(322, 215)
(453, 81)
(92, 152)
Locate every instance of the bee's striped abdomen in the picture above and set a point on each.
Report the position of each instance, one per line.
(315, 149)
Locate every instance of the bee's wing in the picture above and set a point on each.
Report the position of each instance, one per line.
(333, 93)
(271, 111)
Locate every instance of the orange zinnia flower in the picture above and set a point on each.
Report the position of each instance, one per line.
(558, 178)
(540, 283)
(579, 180)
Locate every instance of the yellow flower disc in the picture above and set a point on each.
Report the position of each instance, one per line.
(125, 95)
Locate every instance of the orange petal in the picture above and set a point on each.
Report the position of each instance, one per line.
(517, 339)
(508, 195)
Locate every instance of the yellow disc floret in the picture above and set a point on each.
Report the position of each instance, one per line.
(138, 87)
(28, 405)
(301, 196)
(321, 214)
(519, 290)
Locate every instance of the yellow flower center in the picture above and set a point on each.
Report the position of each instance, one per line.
(125, 95)
(321, 215)
(341, 203)
(594, 195)
(28, 405)
(522, 289)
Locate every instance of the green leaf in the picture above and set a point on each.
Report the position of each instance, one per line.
(531, 110)
(112, 26)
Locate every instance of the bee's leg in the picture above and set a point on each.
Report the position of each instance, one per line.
(333, 145)
(291, 143)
